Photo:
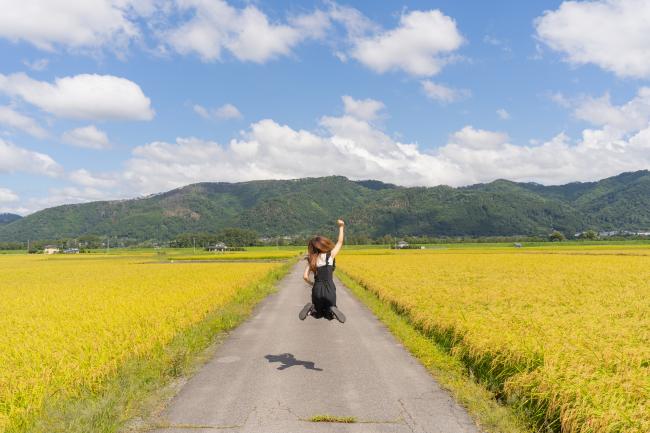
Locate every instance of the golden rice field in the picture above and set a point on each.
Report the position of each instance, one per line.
(241, 255)
(68, 323)
(562, 334)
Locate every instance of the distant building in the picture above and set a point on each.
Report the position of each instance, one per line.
(71, 251)
(623, 233)
(219, 246)
(402, 244)
(51, 249)
(517, 245)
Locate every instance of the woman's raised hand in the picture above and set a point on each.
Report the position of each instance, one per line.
(340, 223)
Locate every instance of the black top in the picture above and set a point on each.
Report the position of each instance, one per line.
(323, 293)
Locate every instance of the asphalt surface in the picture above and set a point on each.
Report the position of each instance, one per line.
(275, 372)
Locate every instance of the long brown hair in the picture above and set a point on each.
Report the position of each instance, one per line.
(316, 246)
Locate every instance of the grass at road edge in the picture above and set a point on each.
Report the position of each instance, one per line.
(448, 371)
(143, 385)
(333, 419)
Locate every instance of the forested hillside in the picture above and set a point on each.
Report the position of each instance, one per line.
(373, 208)
(6, 218)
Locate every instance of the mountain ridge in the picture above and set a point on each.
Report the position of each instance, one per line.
(6, 218)
(373, 208)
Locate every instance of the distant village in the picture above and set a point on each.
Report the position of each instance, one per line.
(238, 243)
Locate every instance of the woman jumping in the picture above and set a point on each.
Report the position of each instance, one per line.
(321, 262)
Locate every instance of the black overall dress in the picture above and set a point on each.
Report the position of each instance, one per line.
(323, 293)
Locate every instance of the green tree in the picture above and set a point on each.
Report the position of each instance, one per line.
(589, 234)
(556, 236)
(234, 237)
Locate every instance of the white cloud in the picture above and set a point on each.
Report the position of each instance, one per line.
(80, 25)
(7, 196)
(16, 159)
(560, 99)
(202, 111)
(37, 65)
(363, 109)
(612, 34)
(85, 96)
(246, 33)
(13, 119)
(441, 93)
(225, 112)
(64, 195)
(420, 45)
(88, 179)
(351, 145)
(503, 114)
(202, 27)
(633, 115)
(478, 139)
(88, 137)
(354, 22)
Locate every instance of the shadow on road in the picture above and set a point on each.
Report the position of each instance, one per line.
(288, 360)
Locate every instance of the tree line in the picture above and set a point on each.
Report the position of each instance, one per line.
(236, 237)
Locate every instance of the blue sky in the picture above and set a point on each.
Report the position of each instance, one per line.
(109, 99)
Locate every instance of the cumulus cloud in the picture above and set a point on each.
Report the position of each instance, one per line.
(16, 159)
(79, 25)
(355, 23)
(247, 34)
(87, 136)
(87, 179)
(503, 114)
(633, 115)
(612, 34)
(13, 119)
(353, 146)
(225, 112)
(85, 96)
(420, 45)
(364, 109)
(444, 94)
(477, 139)
(7, 196)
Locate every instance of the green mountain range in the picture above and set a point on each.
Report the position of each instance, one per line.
(373, 208)
(6, 218)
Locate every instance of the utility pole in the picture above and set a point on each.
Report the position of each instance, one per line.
(194, 244)
(108, 244)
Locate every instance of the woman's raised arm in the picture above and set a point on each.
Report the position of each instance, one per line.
(339, 242)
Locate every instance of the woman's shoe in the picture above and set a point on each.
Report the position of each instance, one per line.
(338, 314)
(305, 311)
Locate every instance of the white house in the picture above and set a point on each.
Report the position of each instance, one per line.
(219, 246)
(51, 249)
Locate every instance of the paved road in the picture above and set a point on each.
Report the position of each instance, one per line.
(274, 372)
